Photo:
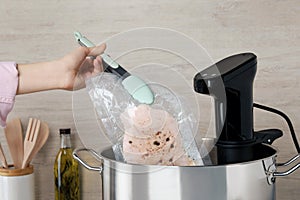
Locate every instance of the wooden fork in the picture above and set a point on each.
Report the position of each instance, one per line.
(31, 136)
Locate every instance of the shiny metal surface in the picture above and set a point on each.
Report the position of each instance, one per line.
(254, 180)
(92, 168)
(289, 161)
(289, 171)
(245, 181)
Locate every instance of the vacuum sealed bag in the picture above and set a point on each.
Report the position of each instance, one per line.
(158, 134)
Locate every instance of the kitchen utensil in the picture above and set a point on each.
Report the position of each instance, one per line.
(133, 84)
(30, 141)
(14, 137)
(2, 157)
(41, 140)
(254, 179)
(234, 113)
(232, 175)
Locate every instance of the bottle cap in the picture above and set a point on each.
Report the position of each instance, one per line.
(64, 131)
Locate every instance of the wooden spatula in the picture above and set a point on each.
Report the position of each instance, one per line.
(41, 140)
(2, 158)
(14, 137)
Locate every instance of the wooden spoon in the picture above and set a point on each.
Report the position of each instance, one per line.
(14, 137)
(2, 158)
(41, 140)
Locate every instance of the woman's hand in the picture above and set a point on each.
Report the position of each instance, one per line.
(79, 65)
(67, 73)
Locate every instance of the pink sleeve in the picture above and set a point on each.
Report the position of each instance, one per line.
(8, 89)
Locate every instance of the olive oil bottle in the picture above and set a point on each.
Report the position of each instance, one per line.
(66, 174)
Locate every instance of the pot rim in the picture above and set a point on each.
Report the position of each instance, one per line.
(115, 162)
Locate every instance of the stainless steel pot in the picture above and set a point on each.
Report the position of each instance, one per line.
(254, 180)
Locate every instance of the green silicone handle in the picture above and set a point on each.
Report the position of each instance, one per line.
(138, 89)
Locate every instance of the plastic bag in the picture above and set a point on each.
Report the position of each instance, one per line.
(119, 112)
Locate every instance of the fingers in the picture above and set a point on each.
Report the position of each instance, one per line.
(90, 67)
(86, 66)
(95, 51)
(98, 67)
(83, 52)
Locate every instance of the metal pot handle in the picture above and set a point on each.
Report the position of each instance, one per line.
(94, 154)
(291, 170)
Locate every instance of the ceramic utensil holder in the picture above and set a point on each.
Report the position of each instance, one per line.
(16, 184)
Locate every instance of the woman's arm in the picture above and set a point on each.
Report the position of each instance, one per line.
(8, 87)
(68, 73)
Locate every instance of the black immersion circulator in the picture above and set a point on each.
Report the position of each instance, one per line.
(230, 82)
